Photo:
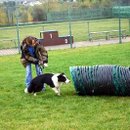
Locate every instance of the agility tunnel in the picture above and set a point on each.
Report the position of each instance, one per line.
(101, 80)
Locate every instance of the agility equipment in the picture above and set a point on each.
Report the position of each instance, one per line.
(101, 80)
(52, 38)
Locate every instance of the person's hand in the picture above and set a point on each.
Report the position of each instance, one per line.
(40, 62)
(45, 65)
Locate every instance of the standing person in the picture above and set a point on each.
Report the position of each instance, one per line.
(31, 54)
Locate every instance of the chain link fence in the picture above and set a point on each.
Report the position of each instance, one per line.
(83, 22)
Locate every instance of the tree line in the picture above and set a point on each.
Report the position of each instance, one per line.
(10, 10)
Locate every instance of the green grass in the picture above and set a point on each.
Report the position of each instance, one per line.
(79, 29)
(46, 111)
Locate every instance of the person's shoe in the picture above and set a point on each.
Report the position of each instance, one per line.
(26, 90)
(44, 88)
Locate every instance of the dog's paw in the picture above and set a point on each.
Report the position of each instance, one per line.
(58, 94)
(26, 90)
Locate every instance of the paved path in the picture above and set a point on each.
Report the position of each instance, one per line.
(74, 45)
(88, 43)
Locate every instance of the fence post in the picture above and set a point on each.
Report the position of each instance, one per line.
(120, 38)
(69, 17)
(88, 30)
(17, 28)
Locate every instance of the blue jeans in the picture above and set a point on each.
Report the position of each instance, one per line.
(28, 77)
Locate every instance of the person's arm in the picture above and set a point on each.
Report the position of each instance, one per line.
(42, 54)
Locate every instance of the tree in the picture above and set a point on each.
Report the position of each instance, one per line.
(10, 10)
(3, 17)
(39, 14)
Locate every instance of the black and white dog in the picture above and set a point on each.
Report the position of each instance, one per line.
(53, 80)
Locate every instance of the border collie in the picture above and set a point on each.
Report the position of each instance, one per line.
(53, 80)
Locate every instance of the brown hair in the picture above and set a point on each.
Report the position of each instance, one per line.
(28, 40)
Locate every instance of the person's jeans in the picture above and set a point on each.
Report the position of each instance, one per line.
(28, 76)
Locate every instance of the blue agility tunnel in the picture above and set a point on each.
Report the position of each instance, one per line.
(101, 80)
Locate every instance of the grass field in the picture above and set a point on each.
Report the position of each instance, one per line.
(79, 30)
(46, 111)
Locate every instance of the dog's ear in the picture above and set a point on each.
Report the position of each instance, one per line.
(62, 73)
